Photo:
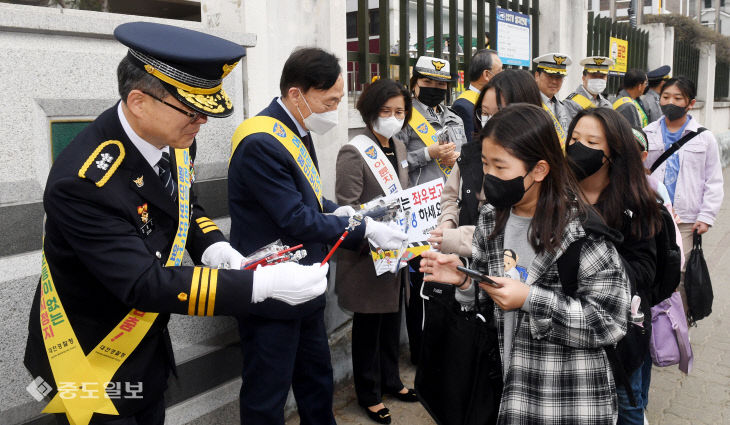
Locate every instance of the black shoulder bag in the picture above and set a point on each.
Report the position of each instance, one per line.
(675, 147)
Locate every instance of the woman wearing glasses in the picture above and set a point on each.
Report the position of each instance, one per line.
(374, 164)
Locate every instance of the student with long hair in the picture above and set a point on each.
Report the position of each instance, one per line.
(555, 366)
(385, 107)
(606, 159)
(693, 175)
(463, 195)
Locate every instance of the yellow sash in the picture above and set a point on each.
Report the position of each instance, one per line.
(81, 380)
(582, 101)
(558, 127)
(289, 139)
(642, 115)
(469, 95)
(427, 134)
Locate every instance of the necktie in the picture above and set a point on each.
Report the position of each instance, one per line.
(168, 183)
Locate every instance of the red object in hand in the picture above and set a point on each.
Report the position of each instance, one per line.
(334, 248)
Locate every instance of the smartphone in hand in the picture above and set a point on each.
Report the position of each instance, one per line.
(481, 277)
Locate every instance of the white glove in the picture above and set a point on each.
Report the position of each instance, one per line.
(291, 283)
(346, 211)
(222, 255)
(384, 236)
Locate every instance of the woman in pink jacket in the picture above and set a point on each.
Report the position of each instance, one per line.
(692, 175)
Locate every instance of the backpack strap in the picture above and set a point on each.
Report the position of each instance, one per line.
(568, 264)
(675, 147)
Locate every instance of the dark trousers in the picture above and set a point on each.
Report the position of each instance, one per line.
(375, 342)
(414, 310)
(153, 414)
(279, 354)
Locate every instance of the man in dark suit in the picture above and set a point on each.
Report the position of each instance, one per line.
(275, 193)
(484, 65)
(120, 211)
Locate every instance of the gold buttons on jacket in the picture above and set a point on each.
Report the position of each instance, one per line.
(182, 296)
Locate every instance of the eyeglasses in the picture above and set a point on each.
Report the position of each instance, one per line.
(387, 112)
(194, 116)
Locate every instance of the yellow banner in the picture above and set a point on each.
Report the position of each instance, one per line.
(82, 381)
(619, 50)
(289, 139)
(427, 134)
(469, 95)
(558, 127)
(639, 110)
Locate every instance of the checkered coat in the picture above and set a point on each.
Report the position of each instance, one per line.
(558, 372)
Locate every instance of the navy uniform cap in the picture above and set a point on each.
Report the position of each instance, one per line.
(190, 64)
(660, 73)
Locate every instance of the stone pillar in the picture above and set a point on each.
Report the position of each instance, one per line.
(280, 30)
(706, 82)
(564, 29)
(661, 45)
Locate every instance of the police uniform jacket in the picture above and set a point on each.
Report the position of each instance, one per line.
(358, 288)
(421, 169)
(573, 107)
(104, 260)
(628, 111)
(465, 110)
(270, 199)
(650, 100)
(559, 109)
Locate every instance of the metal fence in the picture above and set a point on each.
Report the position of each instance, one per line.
(373, 53)
(600, 30)
(686, 60)
(722, 80)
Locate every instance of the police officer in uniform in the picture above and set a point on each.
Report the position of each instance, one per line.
(650, 98)
(114, 205)
(274, 192)
(484, 65)
(588, 94)
(550, 72)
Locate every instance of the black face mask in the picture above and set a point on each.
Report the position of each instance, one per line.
(584, 161)
(504, 193)
(431, 96)
(673, 112)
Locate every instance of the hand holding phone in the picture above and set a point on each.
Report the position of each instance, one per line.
(480, 277)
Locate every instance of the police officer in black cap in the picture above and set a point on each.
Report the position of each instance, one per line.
(120, 212)
(650, 98)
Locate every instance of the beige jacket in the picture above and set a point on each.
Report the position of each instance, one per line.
(457, 239)
(358, 289)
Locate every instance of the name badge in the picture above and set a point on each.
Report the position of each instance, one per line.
(147, 228)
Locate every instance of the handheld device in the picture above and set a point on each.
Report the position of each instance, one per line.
(481, 277)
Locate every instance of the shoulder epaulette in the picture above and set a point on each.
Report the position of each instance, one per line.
(571, 96)
(103, 162)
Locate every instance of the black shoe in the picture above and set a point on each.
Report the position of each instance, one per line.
(409, 397)
(382, 416)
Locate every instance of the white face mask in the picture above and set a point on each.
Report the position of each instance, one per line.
(321, 122)
(596, 86)
(388, 127)
(484, 119)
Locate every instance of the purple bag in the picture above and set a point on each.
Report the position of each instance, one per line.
(669, 335)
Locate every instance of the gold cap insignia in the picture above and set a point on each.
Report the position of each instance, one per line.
(438, 65)
(598, 61)
(559, 59)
